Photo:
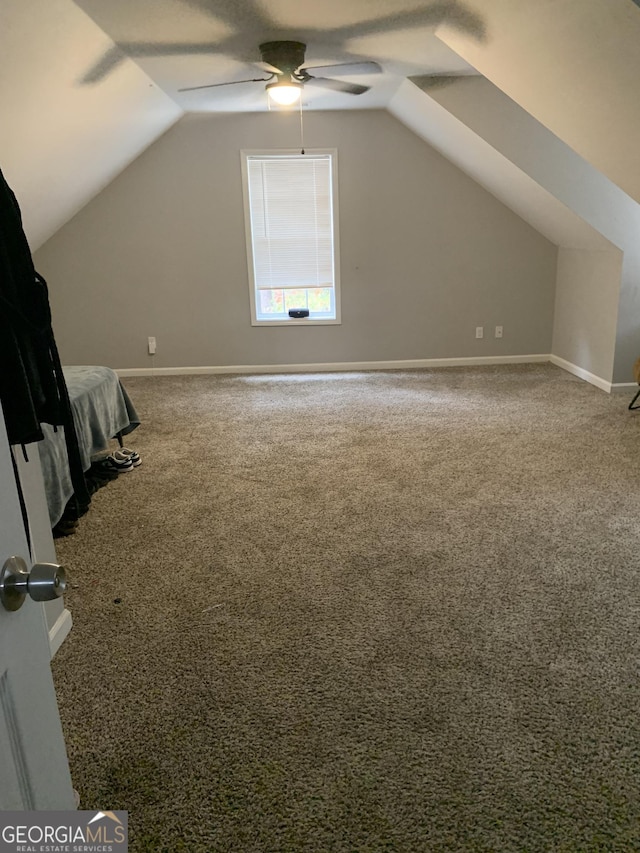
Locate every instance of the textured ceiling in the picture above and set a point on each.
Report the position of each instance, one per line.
(181, 43)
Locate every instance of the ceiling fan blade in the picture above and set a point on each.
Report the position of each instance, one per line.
(337, 85)
(230, 83)
(346, 68)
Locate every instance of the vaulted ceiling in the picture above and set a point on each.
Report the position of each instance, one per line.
(86, 86)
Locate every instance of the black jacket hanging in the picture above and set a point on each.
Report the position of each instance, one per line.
(32, 386)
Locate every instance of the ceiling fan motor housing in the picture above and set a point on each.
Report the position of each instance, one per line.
(287, 56)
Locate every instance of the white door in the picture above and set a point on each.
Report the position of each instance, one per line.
(34, 772)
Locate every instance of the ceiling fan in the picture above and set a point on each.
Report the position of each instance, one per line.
(284, 62)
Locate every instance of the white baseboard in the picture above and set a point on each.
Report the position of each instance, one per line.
(624, 386)
(337, 366)
(401, 364)
(603, 384)
(59, 631)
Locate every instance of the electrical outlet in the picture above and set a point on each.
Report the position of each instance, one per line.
(498, 331)
(479, 331)
(152, 346)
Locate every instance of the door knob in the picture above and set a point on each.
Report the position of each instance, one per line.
(44, 582)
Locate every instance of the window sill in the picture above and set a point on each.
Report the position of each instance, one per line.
(305, 321)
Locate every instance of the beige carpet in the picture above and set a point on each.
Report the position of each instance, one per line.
(363, 612)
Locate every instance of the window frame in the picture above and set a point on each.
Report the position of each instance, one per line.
(245, 154)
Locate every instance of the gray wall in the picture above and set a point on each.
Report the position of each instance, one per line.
(578, 185)
(426, 255)
(587, 289)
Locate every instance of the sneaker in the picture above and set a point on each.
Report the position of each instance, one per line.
(116, 462)
(135, 457)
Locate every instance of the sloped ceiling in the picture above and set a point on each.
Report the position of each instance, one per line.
(574, 65)
(85, 86)
(492, 170)
(62, 142)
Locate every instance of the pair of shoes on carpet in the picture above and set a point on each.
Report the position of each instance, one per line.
(121, 461)
(65, 527)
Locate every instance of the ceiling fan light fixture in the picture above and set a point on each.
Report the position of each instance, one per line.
(284, 92)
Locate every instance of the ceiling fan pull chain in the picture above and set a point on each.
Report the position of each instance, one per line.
(301, 130)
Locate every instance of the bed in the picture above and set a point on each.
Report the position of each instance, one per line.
(102, 411)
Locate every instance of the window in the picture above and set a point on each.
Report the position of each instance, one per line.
(291, 223)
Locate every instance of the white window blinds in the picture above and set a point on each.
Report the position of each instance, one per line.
(290, 201)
